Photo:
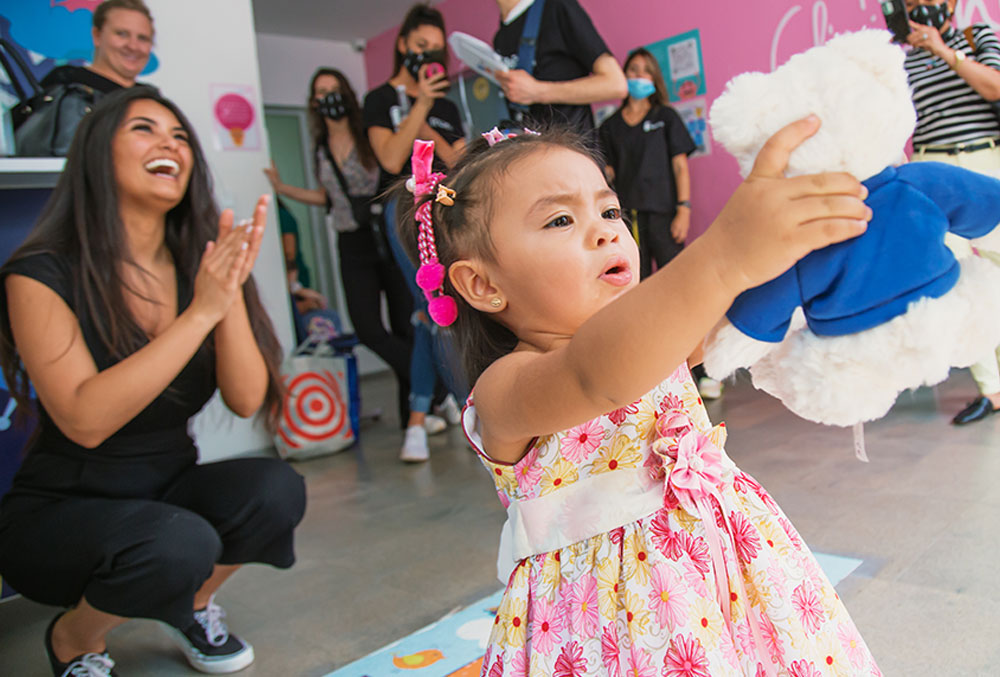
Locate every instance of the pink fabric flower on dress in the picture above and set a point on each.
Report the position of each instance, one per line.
(807, 605)
(571, 662)
(610, 651)
(667, 598)
(583, 609)
(686, 658)
(546, 625)
(639, 663)
(697, 471)
(581, 441)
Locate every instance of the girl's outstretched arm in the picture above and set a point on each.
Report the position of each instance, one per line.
(633, 343)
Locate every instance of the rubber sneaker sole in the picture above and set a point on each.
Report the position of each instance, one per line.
(213, 665)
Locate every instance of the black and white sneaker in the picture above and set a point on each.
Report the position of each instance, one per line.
(84, 665)
(207, 644)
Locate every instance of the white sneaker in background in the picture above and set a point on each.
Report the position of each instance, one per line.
(415, 445)
(450, 410)
(709, 388)
(434, 424)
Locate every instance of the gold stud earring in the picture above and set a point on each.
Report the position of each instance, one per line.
(496, 302)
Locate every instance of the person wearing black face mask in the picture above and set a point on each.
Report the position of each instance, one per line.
(954, 76)
(410, 106)
(343, 157)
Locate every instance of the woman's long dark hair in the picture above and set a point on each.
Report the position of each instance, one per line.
(659, 97)
(317, 125)
(80, 225)
(421, 14)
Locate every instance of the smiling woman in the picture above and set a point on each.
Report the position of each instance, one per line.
(128, 306)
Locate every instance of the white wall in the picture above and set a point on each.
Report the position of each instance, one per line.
(287, 63)
(199, 44)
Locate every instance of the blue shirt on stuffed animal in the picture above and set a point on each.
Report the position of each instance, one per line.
(861, 283)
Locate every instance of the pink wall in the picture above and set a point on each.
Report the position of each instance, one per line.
(735, 37)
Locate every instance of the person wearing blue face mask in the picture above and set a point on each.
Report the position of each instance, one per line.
(954, 77)
(646, 146)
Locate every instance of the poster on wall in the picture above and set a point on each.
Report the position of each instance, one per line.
(235, 124)
(681, 61)
(694, 113)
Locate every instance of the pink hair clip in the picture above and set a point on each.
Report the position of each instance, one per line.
(430, 276)
(495, 136)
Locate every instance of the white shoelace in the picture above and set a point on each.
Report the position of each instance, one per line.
(211, 620)
(91, 665)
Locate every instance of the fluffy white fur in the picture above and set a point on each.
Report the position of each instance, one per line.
(857, 86)
(846, 379)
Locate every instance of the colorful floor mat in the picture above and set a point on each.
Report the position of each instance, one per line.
(454, 645)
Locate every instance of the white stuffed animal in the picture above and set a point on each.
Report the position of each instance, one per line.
(840, 335)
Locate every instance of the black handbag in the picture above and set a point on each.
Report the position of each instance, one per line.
(44, 119)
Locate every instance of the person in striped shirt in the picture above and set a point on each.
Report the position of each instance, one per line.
(954, 76)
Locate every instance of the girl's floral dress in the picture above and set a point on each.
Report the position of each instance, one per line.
(713, 580)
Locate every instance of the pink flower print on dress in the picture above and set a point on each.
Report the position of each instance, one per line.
(695, 579)
(790, 531)
(686, 658)
(519, 666)
(680, 373)
(673, 424)
(745, 536)
(671, 402)
(528, 472)
(771, 640)
(582, 600)
(667, 599)
(696, 549)
(803, 668)
(581, 441)
(618, 416)
(853, 645)
(497, 669)
(808, 606)
(610, 650)
(639, 663)
(571, 662)
(666, 539)
(546, 625)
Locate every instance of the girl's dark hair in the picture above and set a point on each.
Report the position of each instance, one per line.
(80, 225)
(317, 125)
(659, 97)
(461, 231)
(419, 15)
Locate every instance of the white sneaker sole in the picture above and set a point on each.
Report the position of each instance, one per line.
(213, 665)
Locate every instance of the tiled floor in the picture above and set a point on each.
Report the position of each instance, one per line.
(386, 548)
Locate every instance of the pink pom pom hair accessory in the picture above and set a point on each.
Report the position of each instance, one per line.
(430, 276)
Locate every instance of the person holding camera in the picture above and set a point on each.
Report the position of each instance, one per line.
(954, 76)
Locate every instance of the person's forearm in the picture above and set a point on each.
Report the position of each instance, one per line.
(982, 78)
(310, 196)
(682, 180)
(239, 365)
(449, 153)
(586, 90)
(396, 148)
(111, 398)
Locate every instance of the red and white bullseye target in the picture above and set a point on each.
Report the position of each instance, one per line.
(314, 410)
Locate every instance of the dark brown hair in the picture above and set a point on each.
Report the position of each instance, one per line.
(317, 125)
(659, 97)
(101, 13)
(80, 225)
(461, 231)
(419, 15)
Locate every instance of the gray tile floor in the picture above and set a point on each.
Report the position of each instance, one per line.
(386, 548)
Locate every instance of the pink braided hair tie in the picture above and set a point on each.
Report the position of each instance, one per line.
(430, 276)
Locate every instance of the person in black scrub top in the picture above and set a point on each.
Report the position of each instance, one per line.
(574, 68)
(646, 146)
(129, 305)
(411, 106)
(123, 39)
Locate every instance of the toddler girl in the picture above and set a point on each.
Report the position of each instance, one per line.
(634, 545)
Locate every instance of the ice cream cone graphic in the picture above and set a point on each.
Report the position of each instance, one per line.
(235, 114)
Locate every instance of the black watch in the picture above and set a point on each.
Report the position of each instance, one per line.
(684, 203)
